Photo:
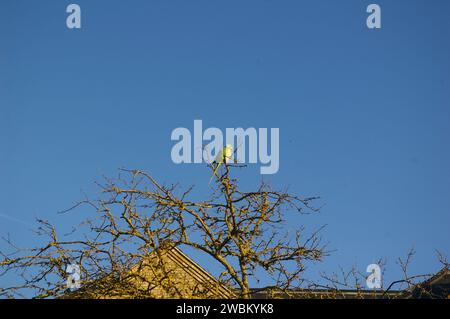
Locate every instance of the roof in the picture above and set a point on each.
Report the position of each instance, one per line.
(436, 287)
(197, 272)
(325, 294)
(187, 278)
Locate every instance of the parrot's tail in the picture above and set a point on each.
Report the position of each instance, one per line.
(214, 172)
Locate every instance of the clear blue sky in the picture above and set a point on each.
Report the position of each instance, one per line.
(363, 114)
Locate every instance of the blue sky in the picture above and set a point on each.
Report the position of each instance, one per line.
(363, 114)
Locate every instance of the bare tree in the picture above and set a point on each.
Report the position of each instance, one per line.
(338, 283)
(242, 231)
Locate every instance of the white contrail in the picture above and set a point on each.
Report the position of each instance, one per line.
(13, 219)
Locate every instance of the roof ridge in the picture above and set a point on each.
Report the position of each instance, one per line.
(177, 252)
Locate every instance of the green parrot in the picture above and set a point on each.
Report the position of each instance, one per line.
(224, 156)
